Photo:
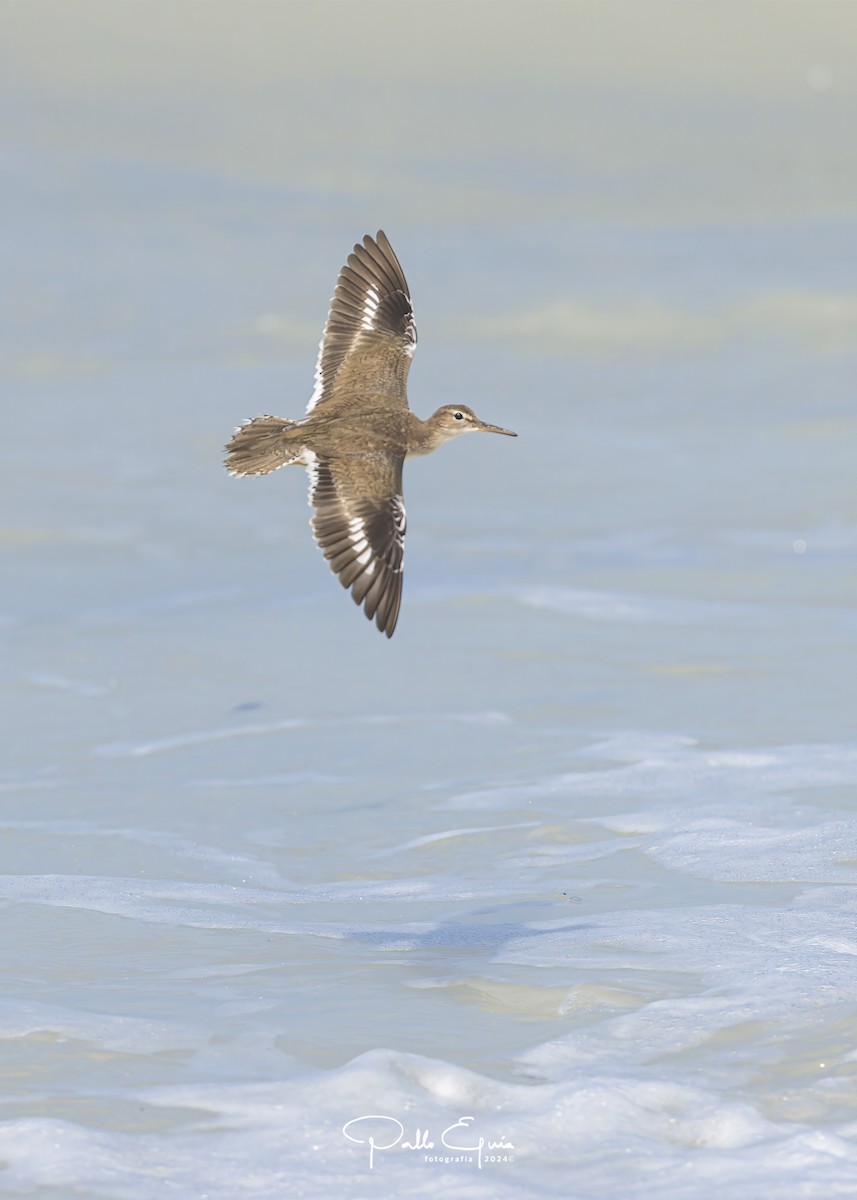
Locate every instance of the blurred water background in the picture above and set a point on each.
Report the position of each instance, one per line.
(575, 854)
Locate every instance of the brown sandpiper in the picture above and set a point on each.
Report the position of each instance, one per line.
(358, 431)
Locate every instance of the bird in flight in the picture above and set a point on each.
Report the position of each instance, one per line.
(358, 431)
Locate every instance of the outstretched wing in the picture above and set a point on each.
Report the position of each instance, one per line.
(370, 335)
(359, 523)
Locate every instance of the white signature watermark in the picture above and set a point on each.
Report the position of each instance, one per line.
(381, 1133)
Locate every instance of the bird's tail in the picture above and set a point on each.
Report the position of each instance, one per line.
(262, 445)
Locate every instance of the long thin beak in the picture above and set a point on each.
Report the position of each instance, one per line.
(485, 428)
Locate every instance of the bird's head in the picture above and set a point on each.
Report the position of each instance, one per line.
(453, 419)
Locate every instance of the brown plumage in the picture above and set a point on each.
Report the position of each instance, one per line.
(358, 431)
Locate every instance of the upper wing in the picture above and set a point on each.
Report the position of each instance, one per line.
(359, 522)
(369, 337)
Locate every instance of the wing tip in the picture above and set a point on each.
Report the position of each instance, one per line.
(387, 624)
(369, 238)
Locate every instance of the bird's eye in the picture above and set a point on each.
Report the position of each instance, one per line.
(459, 416)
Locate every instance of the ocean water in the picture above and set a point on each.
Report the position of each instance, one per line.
(556, 892)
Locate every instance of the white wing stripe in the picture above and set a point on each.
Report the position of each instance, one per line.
(318, 390)
(370, 307)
